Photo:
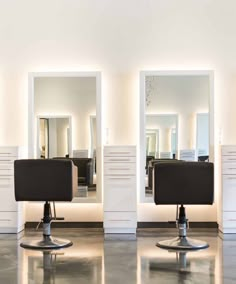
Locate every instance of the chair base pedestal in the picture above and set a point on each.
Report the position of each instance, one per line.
(46, 243)
(182, 243)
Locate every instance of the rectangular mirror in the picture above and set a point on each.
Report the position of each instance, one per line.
(65, 122)
(179, 105)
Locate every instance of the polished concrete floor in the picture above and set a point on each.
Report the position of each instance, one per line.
(111, 259)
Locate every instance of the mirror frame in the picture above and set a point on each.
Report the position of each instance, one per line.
(32, 122)
(142, 119)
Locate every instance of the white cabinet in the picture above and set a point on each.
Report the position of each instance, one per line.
(120, 193)
(11, 212)
(227, 222)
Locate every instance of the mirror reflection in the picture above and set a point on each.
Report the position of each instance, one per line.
(54, 137)
(65, 110)
(202, 140)
(176, 118)
(161, 135)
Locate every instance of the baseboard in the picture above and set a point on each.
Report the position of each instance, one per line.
(139, 225)
(68, 225)
(173, 225)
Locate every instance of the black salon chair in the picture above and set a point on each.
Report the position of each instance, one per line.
(183, 183)
(203, 158)
(148, 159)
(45, 180)
(85, 169)
(151, 166)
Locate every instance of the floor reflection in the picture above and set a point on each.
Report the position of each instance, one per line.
(95, 258)
(178, 267)
(55, 267)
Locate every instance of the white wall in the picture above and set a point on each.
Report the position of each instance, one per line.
(120, 38)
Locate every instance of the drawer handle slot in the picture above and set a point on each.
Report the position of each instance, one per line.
(5, 220)
(119, 220)
(120, 178)
(118, 152)
(119, 160)
(114, 169)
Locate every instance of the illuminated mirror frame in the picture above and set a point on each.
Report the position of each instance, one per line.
(142, 121)
(32, 123)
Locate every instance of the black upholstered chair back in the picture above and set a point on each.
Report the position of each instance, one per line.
(183, 183)
(45, 180)
(85, 169)
(148, 159)
(151, 167)
(203, 158)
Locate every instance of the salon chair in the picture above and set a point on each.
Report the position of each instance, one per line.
(148, 159)
(203, 158)
(85, 169)
(183, 183)
(45, 180)
(151, 166)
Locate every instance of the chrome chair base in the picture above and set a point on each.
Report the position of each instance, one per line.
(46, 243)
(182, 243)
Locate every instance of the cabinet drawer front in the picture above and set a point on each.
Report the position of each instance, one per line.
(8, 219)
(120, 219)
(229, 158)
(7, 161)
(229, 216)
(6, 181)
(122, 181)
(119, 169)
(229, 220)
(7, 200)
(6, 172)
(228, 150)
(120, 159)
(8, 152)
(229, 193)
(120, 194)
(120, 151)
(229, 168)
